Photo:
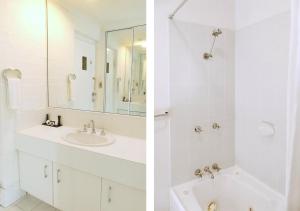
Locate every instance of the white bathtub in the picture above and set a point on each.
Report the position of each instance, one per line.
(232, 190)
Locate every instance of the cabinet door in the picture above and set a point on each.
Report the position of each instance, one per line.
(36, 176)
(75, 190)
(116, 197)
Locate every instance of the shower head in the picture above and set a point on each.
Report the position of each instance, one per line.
(216, 32)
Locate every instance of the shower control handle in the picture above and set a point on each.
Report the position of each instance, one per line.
(198, 129)
(215, 167)
(198, 173)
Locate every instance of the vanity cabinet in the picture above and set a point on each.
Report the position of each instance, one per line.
(69, 189)
(116, 197)
(36, 176)
(75, 190)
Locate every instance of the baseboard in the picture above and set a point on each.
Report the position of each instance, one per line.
(10, 196)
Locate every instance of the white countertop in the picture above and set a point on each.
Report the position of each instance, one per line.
(126, 148)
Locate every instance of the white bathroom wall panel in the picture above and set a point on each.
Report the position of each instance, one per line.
(262, 56)
(162, 140)
(23, 46)
(212, 13)
(204, 12)
(252, 11)
(201, 92)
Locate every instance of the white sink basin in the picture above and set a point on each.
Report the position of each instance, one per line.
(87, 139)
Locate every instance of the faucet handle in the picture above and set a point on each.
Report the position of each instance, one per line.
(198, 173)
(102, 133)
(216, 167)
(84, 128)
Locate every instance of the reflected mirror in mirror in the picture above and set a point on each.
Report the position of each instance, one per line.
(126, 71)
(97, 55)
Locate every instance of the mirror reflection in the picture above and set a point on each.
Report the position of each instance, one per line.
(126, 71)
(97, 55)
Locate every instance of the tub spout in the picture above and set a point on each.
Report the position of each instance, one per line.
(208, 171)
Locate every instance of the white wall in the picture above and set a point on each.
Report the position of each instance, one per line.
(197, 12)
(161, 92)
(262, 41)
(23, 46)
(262, 56)
(211, 13)
(248, 12)
(201, 92)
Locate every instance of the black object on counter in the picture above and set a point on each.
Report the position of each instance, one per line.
(52, 125)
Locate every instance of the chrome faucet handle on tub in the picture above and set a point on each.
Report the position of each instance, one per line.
(215, 167)
(198, 173)
(198, 129)
(216, 126)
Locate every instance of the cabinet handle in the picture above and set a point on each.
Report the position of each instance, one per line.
(45, 171)
(58, 180)
(109, 194)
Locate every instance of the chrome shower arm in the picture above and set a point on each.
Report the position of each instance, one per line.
(177, 9)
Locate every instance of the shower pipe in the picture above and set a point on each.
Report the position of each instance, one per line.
(215, 34)
(177, 9)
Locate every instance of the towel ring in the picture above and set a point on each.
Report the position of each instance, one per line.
(12, 73)
(72, 76)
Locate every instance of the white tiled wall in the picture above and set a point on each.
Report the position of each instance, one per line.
(162, 143)
(252, 11)
(261, 41)
(202, 92)
(210, 13)
(262, 56)
(23, 46)
(214, 13)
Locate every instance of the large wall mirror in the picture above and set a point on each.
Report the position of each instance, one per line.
(97, 55)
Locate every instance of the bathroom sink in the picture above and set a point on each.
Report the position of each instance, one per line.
(88, 139)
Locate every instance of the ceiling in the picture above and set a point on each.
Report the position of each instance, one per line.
(111, 12)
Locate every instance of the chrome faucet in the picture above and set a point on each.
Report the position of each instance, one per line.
(216, 167)
(208, 171)
(198, 173)
(93, 126)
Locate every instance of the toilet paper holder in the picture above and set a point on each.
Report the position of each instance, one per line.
(16, 73)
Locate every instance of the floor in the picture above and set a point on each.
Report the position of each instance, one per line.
(29, 203)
